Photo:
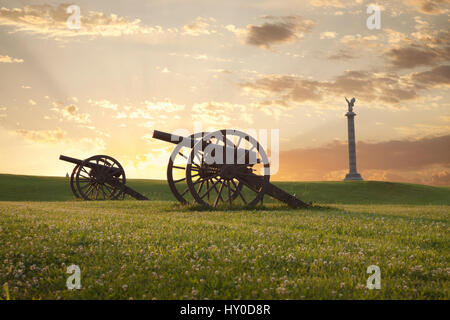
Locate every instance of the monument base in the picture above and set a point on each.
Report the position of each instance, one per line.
(353, 176)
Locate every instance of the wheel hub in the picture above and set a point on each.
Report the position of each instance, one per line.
(228, 172)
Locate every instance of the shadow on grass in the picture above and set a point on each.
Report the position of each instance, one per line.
(242, 207)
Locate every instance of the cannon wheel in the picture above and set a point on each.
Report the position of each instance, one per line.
(94, 185)
(244, 182)
(177, 163)
(73, 186)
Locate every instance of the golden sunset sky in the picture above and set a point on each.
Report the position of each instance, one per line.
(135, 66)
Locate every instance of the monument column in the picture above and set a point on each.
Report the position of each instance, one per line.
(353, 174)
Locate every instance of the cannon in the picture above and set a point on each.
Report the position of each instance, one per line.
(218, 168)
(99, 177)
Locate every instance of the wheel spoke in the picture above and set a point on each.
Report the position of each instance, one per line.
(179, 180)
(89, 183)
(103, 192)
(239, 192)
(229, 192)
(83, 176)
(218, 195)
(200, 187)
(217, 191)
(199, 180)
(210, 188)
(87, 190)
(91, 190)
(184, 192)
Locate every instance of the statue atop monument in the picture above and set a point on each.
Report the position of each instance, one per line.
(350, 104)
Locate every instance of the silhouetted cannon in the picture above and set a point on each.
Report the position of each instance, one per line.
(99, 178)
(226, 166)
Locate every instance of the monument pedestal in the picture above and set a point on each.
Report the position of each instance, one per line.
(353, 176)
(353, 173)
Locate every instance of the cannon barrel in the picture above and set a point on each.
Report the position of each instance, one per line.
(230, 154)
(69, 159)
(113, 171)
(173, 138)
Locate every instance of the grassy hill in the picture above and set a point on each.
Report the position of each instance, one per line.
(36, 188)
(162, 250)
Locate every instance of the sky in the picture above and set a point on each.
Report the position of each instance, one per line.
(187, 66)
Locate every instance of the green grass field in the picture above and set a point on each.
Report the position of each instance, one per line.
(159, 249)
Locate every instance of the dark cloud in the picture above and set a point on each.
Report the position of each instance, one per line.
(416, 56)
(433, 7)
(401, 160)
(436, 76)
(369, 86)
(342, 54)
(289, 87)
(277, 31)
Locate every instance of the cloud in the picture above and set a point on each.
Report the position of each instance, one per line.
(420, 130)
(427, 46)
(415, 56)
(394, 36)
(431, 7)
(163, 106)
(402, 160)
(70, 113)
(58, 135)
(278, 30)
(150, 110)
(342, 54)
(198, 27)
(441, 178)
(384, 87)
(51, 21)
(8, 59)
(328, 35)
(199, 56)
(2, 109)
(434, 77)
(222, 113)
(327, 3)
(370, 86)
(358, 41)
(284, 88)
(105, 104)
(44, 136)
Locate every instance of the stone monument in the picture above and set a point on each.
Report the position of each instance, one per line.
(352, 174)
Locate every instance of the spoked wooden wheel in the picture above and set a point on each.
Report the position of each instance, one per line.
(176, 169)
(232, 166)
(73, 185)
(99, 178)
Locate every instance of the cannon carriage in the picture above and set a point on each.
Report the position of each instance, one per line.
(99, 177)
(223, 167)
